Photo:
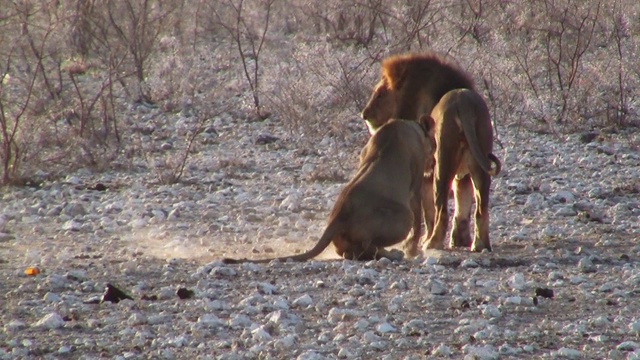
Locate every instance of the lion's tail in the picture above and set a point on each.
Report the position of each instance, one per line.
(330, 232)
(470, 109)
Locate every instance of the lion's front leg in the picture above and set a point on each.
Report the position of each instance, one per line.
(428, 205)
(411, 245)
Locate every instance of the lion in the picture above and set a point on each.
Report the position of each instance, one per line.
(413, 85)
(381, 204)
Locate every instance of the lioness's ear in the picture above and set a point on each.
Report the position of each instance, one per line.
(428, 124)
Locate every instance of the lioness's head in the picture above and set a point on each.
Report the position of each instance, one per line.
(381, 106)
(428, 125)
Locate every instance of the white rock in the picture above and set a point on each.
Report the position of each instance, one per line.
(216, 305)
(209, 321)
(575, 280)
(77, 275)
(608, 287)
(361, 325)
(14, 326)
(564, 197)
(600, 321)
(554, 275)
(491, 311)
(50, 297)
(436, 287)
(634, 327)
(73, 180)
(239, 321)
(628, 346)
(430, 260)
(486, 352)
(385, 328)
(138, 223)
(64, 350)
(517, 281)
(566, 211)
(469, 263)
(72, 225)
(281, 303)
(310, 355)
(260, 334)
(137, 319)
(303, 301)
(508, 350)
(291, 203)
(586, 265)
(267, 289)
(286, 342)
(166, 293)
(251, 267)
(50, 321)
(569, 353)
(345, 353)
(415, 327)
(158, 319)
(488, 284)
(370, 337)
(534, 201)
(379, 345)
(513, 300)
(441, 350)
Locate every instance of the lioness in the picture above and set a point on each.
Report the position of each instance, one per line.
(411, 86)
(464, 142)
(381, 204)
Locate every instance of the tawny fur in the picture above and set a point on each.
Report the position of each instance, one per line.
(412, 85)
(381, 204)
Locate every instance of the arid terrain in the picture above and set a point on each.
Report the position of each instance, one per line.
(565, 217)
(143, 141)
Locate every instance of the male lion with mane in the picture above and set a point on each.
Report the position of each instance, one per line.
(381, 204)
(414, 85)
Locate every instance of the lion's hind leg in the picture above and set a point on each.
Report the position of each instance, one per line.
(463, 195)
(482, 187)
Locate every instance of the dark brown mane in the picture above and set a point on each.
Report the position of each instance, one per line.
(421, 80)
(424, 67)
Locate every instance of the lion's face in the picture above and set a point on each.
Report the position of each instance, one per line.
(381, 107)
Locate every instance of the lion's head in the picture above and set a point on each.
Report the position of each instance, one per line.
(381, 107)
(411, 85)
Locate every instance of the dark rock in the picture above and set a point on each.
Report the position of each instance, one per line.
(114, 295)
(265, 139)
(544, 292)
(184, 293)
(588, 137)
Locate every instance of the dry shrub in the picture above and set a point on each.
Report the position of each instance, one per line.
(71, 70)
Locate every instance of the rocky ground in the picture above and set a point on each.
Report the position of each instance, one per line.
(565, 226)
